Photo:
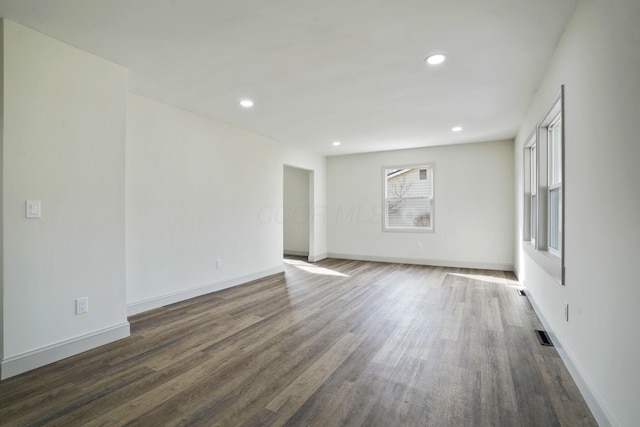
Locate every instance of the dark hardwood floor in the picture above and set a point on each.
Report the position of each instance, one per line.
(337, 343)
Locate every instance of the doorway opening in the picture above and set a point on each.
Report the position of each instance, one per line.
(297, 212)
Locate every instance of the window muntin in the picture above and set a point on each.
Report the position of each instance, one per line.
(408, 198)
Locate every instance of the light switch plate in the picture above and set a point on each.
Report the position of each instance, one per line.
(32, 209)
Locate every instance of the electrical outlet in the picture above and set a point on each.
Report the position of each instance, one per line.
(566, 312)
(218, 263)
(419, 246)
(82, 305)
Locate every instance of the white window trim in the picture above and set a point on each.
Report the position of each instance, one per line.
(385, 213)
(529, 176)
(538, 249)
(557, 119)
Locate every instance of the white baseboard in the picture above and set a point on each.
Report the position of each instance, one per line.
(516, 271)
(421, 261)
(318, 257)
(296, 253)
(594, 401)
(162, 300)
(27, 361)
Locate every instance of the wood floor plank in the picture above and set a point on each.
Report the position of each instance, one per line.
(198, 341)
(301, 345)
(145, 402)
(297, 392)
(335, 343)
(117, 398)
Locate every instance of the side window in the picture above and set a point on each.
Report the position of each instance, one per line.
(544, 191)
(554, 141)
(534, 193)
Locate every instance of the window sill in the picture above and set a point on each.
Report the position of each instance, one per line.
(408, 230)
(549, 262)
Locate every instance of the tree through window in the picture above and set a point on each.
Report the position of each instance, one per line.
(408, 198)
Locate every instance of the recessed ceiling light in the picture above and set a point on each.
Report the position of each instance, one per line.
(336, 143)
(456, 128)
(435, 59)
(246, 103)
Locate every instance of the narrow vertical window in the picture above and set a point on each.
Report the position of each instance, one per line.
(554, 139)
(544, 154)
(534, 194)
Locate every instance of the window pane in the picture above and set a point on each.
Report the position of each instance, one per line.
(398, 185)
(555, 153)
(554, 219)
(409, 213)
(534, 171)
(409, 197)
(534, 217)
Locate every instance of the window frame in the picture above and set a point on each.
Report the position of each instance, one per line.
(533, 192)
(385, 210)
(545, 164)
(554, 179)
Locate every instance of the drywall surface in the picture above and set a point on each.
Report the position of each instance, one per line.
(64, 145)
(598, 61)
(295, 212)
(1, 190)
(473, 191)
(200, 191)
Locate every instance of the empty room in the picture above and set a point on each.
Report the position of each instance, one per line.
(336, 213)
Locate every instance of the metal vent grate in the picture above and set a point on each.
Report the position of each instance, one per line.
(543, 337)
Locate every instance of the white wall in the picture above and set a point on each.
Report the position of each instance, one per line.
(598, 61)
(473, 207)
(63, 144)
(195, 190)
(1, 194)
(200, 190)
(296, 211)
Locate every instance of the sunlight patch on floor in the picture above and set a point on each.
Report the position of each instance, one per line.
(314, 269)
(490, 279)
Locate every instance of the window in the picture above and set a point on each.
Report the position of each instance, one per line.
(530, 166)
(408, 198)
(534, 193)
(543, 187)
(554, 141)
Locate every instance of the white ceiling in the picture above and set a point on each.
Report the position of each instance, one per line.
(327, 70)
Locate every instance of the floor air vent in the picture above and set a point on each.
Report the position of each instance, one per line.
(543, 337)
(521, 293)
